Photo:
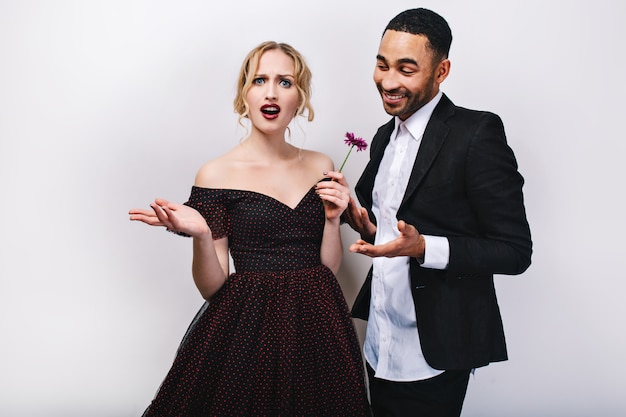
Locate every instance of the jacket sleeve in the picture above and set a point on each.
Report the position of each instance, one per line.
(493, 189)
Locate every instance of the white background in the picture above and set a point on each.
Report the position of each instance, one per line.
(105, 105)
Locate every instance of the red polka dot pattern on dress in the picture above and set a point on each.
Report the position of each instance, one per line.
(277, 339)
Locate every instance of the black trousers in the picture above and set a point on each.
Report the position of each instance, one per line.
(440, 396)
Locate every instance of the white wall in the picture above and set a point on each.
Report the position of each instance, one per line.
(105, 105)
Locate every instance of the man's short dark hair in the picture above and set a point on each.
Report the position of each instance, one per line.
(428, 23)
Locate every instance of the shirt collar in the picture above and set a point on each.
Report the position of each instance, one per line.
(416, 123)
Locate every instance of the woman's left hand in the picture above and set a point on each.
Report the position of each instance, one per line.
(335, 194)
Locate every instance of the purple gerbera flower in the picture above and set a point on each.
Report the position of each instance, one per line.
(360, 144)
(352, 141)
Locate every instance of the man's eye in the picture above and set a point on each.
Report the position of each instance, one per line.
(407, 71)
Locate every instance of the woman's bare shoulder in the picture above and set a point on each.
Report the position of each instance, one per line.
(317, 161)
(212, 173)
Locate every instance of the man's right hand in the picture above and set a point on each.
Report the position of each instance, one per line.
(359, 221)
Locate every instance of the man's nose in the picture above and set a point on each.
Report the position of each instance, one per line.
(389, 80)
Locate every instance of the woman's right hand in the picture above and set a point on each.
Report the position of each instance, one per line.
(177, 218)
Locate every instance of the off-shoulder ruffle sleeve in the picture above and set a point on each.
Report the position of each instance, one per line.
(211, 203)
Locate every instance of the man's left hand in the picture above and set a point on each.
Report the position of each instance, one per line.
(409, 243)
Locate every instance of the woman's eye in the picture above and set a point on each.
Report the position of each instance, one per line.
(258, 81)
(285, 83)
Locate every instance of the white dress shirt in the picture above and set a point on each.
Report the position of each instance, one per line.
(392, 346)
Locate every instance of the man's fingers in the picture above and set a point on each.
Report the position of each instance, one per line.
(360, 246)
(406, 229)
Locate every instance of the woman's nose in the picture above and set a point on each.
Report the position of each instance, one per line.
(271, 92)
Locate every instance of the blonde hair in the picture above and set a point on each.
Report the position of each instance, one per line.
(249, 68)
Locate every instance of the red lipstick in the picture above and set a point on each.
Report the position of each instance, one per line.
(270, 111)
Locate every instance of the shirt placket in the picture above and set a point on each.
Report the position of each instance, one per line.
(389, 205)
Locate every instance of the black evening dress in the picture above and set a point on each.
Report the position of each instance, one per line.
(277, 339)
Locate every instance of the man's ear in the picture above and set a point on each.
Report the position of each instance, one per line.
(442, 71)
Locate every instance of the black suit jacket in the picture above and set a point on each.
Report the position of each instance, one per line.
(465, 186)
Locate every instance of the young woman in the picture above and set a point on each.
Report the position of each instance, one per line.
(275, 337)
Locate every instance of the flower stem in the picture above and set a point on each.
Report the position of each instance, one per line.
(346, 158)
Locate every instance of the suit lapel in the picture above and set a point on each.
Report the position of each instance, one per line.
(432, 141)
(365, 185)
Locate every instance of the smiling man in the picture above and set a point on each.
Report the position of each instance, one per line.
(442, 212)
